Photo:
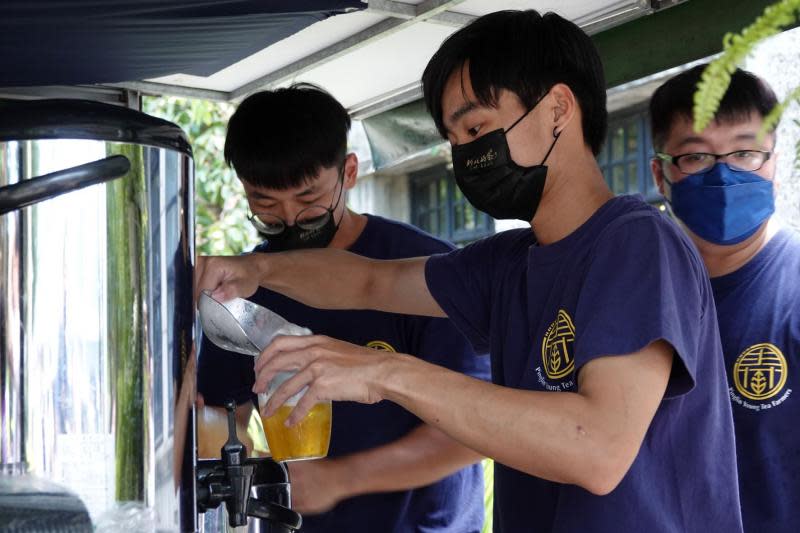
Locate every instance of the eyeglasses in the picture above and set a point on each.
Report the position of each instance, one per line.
(309, 219)
(699, 162)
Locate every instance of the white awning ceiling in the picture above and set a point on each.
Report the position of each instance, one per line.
(372, 60)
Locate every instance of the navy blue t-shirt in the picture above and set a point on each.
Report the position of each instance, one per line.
(452, 505)
(758, 307)
(625, 278)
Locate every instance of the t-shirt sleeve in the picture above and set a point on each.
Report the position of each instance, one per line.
(224, 375)
(643, 283)
(460, 282)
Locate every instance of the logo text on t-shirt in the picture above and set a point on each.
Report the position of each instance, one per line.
(557, 356)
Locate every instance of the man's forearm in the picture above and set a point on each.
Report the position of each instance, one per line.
(423, 456)
(325, 279)
(518, 428)
(564, 437)
(588, 438)
(336, 279)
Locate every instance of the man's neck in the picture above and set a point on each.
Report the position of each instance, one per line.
(570, 198)
(721, 260)
(350, 229)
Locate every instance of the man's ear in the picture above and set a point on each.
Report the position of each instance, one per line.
(350, 170)
(564, 106)
(657, 169)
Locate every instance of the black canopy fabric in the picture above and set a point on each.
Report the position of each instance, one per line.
(69, 42)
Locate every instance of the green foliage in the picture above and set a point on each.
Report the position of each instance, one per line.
(736, 47)
(797, 150)
(220, 205)
(771, 120)
(488, 495)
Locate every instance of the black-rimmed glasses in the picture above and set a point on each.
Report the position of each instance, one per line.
(699, 162)
(311, 218)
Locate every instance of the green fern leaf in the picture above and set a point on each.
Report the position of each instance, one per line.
(736, 47)
(771, 120)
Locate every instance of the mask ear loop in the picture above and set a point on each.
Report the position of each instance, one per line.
(332, 209)
(340, 181)
(511, 127)
(556, 135)
(666, 180)
(669, 185)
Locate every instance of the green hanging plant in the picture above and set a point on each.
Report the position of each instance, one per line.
(736, 47)
(797, 150)
(221, 225)
(771, 120)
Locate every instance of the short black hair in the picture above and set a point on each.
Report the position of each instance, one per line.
(281, 139)
(746, 94)
(525, 53)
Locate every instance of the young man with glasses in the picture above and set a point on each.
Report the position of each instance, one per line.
(719, 184)
(608, 409)
(385, 470)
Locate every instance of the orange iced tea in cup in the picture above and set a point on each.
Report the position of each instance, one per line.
(307, 439)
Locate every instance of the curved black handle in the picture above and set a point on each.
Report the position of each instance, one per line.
(35, 190)
(276, 514)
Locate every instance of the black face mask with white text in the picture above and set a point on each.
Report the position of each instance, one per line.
(493, 182)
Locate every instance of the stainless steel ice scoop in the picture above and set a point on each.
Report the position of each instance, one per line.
(241, 326)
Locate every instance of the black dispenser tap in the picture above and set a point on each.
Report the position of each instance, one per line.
(239, 474)
(231, 479)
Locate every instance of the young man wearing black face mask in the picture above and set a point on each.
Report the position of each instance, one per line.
(609, 408)
(385, 470)
(719, 184)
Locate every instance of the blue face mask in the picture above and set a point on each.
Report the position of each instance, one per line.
(721, 205)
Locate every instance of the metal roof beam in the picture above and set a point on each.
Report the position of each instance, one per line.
(390, 8)
(452, 18)
(152, 87)
(431, 8)
(384, 28)
(387, 101)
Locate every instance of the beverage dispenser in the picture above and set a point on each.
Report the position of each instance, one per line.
(96, 333)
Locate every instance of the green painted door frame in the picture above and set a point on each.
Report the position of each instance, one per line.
(672, 37)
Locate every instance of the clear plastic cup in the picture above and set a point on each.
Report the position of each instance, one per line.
(307, 439)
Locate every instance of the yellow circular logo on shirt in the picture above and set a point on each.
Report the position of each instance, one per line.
(760, 372)
(381, 345)
(557, 347)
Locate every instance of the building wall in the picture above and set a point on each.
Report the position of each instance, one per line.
(382, 194)
(778, 62)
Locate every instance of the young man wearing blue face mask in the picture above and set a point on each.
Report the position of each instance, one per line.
(609, 408)
(719, 184)
(385, 470)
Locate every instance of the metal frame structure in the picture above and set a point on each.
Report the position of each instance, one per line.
(400, 16)
(633, 46)
(126, 97)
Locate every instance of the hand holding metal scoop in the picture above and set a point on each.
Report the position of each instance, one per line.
(241, 326)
